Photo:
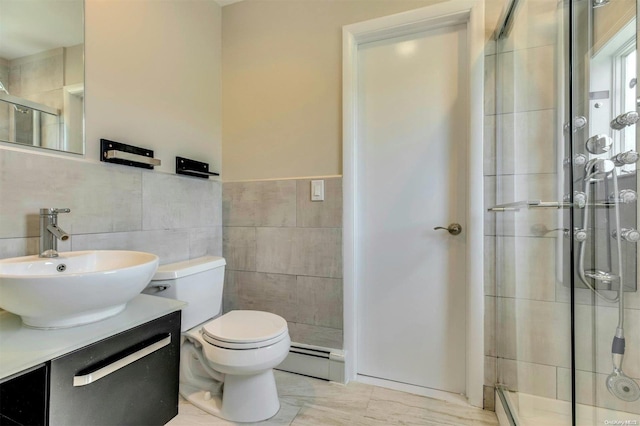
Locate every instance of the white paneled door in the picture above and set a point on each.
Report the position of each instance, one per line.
(412, 126)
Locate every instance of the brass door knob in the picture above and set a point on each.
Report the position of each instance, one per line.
(453, 229)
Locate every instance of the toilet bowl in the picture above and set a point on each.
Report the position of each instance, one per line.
(226, 363)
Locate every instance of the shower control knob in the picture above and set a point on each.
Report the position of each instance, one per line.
(628, 234)
(579, 160)
(580, 199)
(625, 158)
(599, 144)
(579, 122)
(580, 234)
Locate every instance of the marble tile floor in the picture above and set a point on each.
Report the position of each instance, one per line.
(308, 401)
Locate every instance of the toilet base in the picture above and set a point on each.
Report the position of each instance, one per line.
(251, 398)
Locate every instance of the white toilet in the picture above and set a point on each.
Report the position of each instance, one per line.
(226, 362)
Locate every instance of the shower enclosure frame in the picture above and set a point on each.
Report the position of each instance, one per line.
(568, 106)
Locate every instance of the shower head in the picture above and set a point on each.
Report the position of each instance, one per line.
(599, 3)
(622, 386)
(599, 144)
(623, 120)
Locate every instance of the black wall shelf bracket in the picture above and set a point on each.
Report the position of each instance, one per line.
(185, 166)
(127, 155)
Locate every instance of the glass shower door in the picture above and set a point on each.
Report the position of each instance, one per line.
(567, 305)
(605, 298)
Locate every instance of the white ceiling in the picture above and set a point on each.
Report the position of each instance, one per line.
(33, 26)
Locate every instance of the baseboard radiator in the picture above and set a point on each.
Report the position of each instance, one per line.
(315, 361)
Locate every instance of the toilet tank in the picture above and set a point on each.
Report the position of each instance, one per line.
(199, 282)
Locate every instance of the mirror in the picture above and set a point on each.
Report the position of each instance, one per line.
(42, 73)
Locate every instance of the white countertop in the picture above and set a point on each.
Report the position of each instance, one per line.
(22, 348)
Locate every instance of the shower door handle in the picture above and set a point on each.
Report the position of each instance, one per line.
(453, 229)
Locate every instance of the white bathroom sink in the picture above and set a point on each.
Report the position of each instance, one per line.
(75, 288)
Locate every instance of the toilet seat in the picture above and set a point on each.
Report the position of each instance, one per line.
(245, 330)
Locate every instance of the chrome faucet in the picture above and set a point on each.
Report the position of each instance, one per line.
(50, 232)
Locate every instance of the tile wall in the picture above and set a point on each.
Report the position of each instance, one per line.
(112, 207)
(4, 107)
(527, 321)
(284, 255)
(39, 78)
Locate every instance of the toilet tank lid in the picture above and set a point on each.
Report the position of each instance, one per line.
(172, 271)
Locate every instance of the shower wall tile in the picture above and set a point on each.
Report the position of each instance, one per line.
(535, 379)
(260, 203)
(534, 331)
(319, 214)
(528, 268)
(5, 115)
(490, 85)
(106, 208)
(531, 222)
(194, 203)
(490, 370)
(592, 390)
(489, 164)
(489, 196)
(584, 296)
(594, 333)
(490, 266)
(490, 47)
(530, 76)
(536, 26)
(490, 305)
(239, 248)
(527, 142)
(52, 98)
(40, 74)
(489, 398)
(322, 301)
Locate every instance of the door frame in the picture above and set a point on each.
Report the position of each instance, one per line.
(471, 14)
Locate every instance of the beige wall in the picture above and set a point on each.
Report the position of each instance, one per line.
(153, 77)
(74, 64)
(282, 82)
(282, 73)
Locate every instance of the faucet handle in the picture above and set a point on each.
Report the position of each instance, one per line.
(52, 210)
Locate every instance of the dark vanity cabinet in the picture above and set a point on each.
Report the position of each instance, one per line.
(23, 398)
(130, 378)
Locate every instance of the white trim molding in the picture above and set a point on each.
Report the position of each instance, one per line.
(471, 14)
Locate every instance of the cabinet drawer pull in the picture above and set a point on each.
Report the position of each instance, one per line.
(85, 379)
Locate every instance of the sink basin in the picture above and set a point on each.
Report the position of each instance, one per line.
(75, 288)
